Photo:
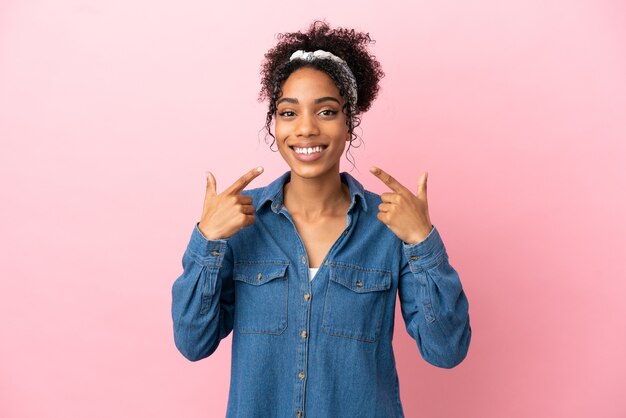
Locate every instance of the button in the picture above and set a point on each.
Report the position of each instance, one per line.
(307, 296)
(259, 276)
(303, 334)
(301, 375)
(414, 257)
(298, 414)
(326, 262)
(303, 259)
(215, 253)
(359, 283)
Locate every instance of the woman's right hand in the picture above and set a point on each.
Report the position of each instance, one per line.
(228, 212)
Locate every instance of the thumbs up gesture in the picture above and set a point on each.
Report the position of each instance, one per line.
(228, 212)
(405, 213)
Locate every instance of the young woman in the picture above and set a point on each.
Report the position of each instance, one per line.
(305, 270)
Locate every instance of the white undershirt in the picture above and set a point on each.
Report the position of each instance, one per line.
(312, 272)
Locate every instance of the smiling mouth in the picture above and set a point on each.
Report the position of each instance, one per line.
(308, 150)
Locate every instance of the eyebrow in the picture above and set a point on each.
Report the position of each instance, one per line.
(317, 101)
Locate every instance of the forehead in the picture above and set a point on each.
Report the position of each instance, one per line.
(309, 82)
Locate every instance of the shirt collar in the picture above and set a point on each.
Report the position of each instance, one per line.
(273, 192)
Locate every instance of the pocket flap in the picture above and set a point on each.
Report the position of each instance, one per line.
(359, 279)
(259, 273)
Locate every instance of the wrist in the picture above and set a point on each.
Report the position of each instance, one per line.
(419, 236)
(207, 234)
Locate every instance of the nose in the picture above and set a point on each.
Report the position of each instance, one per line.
(307, 126)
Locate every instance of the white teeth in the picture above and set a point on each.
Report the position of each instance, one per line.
(308, 150)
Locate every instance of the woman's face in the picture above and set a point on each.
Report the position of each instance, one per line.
(311, 130)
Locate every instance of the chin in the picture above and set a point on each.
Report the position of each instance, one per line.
(311, 172)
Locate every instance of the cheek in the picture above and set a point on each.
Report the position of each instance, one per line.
(342, 127)
(280, 130)
(281, 133)
(341, 131)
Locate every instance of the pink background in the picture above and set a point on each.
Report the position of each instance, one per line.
(111, 111)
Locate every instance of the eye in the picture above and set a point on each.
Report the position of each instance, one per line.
(328, 112)
(286, 114)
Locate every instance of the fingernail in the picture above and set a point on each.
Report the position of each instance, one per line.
(373, 169)
(259, 169)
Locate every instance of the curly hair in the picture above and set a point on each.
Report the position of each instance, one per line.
(347, 44)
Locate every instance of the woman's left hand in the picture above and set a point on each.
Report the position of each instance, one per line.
(405, 213)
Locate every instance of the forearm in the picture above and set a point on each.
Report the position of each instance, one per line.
(434, 305)
(202, 298)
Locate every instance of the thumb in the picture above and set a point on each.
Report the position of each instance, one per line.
(422, 186)
(211, 184)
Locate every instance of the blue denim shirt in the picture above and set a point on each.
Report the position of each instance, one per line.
(319, 348)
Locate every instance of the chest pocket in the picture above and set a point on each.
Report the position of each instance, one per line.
(260, 297)
(355, 301)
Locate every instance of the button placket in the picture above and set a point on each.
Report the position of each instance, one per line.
(304, 334)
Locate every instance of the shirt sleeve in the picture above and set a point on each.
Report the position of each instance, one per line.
(203, 297)
(433, 303)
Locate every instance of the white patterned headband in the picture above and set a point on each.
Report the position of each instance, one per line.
(320, 54)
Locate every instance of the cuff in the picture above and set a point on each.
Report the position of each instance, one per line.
(425, 253)
(208, 251)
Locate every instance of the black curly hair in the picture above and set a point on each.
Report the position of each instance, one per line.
(347, 44)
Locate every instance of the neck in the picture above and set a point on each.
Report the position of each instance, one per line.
(317, 197)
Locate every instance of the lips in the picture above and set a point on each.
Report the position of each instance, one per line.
(308, 152)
